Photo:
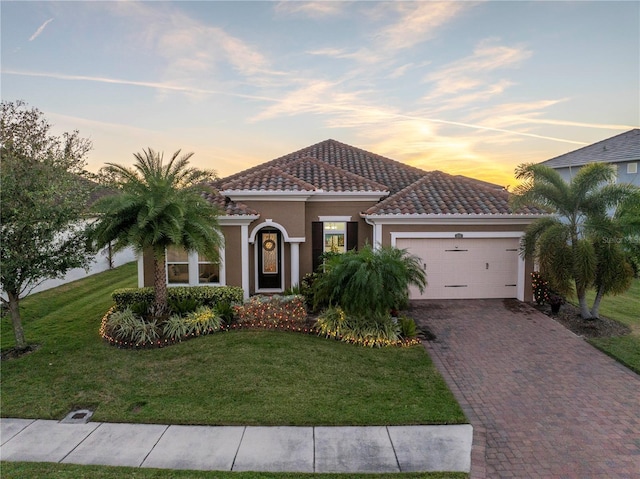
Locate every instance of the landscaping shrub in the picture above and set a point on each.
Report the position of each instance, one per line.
(540, 286)
(408, 328)
(131, 329)
(201, 295)
(369, 282)
(377, 330)
(273, 309)
(201, 321)
(226, 312)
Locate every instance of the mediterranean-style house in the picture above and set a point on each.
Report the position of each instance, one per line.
(278, 218)
(622, 151)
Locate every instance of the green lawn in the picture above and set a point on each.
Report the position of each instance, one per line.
(624, 308)
(240, 377)
(20, 470)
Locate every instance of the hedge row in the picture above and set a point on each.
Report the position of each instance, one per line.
(204, 295)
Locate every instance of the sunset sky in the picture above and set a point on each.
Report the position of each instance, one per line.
(472, 88)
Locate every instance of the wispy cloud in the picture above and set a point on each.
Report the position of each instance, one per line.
(40, 29)
(318, 9)
(310, 98)
(417, 22)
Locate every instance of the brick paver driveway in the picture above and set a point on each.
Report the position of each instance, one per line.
(543, 402)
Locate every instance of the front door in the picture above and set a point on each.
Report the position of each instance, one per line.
(269, 259)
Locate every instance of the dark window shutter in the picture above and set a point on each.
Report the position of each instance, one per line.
(352, 235)
(317, 243)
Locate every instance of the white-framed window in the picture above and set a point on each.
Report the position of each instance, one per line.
(177, 266)
(208, 271)
(335, 236)
(632, 168)
(184, 268)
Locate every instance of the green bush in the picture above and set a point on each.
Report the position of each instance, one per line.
(226, 312)
(201, 321)
(129, 328)
(408, 328)
(202, 295)
(273, 309)
(369, 282)
(380, 330)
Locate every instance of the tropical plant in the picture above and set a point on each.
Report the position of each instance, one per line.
(43, 199)
(158, 206)
(564, 245)
(377, 330)
(408, 328)
(369, 282)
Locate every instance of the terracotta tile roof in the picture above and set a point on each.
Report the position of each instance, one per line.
(330, 178)
(443, 194)
(622, 147)
(228, 207)
(331, 166)
(384, 171)
(270, 178)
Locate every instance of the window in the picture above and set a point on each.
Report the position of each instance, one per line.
(632, 168)
(208, 271)
(177, 266)
(335, 233)
(332, 233)
(185, 268)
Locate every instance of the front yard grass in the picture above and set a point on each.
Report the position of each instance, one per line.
(238, 377)
(624, 308)
(19, 470)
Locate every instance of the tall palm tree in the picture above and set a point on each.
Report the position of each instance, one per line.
(565, 244)
(158, 206)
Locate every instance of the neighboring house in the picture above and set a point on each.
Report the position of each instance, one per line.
(279, 217)
(622, 151)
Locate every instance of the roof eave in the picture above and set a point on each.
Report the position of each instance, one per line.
(484, 219)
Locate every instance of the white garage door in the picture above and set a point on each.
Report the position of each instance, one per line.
(466, 268)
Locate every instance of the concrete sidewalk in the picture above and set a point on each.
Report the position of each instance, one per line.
(239, 448)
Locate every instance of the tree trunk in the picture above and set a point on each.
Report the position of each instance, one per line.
(160, 282)
(584, 308)
(16, 320)
(595, 309)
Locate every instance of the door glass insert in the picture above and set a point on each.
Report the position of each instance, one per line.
(269, 253)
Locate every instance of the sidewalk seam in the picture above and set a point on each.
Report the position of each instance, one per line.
(393, 447)
(78, 445)
(155, 444)
(16, 434)
(233, 463)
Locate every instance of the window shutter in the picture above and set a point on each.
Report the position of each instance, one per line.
(352, 235)
(317, 240)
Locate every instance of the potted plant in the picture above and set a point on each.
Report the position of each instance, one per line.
(555, 301)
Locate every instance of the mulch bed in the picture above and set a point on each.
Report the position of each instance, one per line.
(569, 317)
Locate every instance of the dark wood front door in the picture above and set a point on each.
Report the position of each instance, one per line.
(269, 259)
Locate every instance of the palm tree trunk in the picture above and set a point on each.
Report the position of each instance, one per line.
(595, 309)
(584, 307)
(16, 320)
(160, 281)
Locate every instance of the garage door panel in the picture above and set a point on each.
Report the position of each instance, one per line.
(467, 267)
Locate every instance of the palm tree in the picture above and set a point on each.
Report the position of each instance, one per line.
(616, 242)
(565, 244)
(158, 206)
(369, 282)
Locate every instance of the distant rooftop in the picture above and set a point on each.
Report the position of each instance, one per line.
(622, 147)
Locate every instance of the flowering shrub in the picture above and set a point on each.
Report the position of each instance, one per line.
(541, 293)
(273, 310)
